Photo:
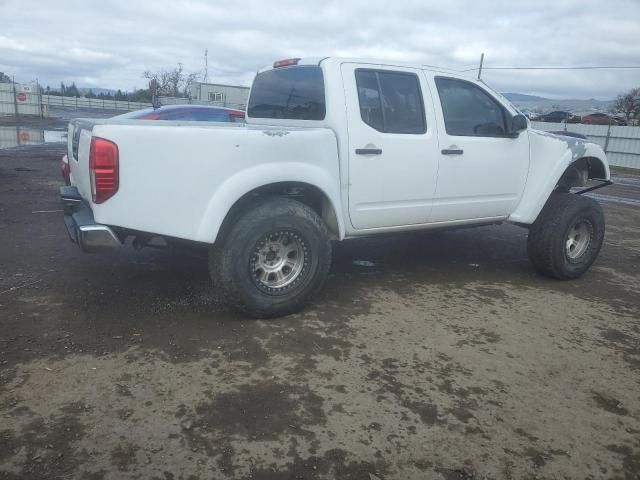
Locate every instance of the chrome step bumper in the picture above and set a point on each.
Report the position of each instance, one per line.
(83, 230)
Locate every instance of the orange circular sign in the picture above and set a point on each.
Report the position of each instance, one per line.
(22, 97)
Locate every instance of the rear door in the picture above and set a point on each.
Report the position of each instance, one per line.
(482, 170)
(393, 156)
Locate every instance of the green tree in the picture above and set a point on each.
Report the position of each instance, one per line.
(141, 95)
(5, 78)
(72, 91)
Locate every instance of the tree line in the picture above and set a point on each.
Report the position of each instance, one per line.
(143, 95)
(174, 82)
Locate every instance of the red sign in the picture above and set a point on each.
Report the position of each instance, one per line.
(24, 136)
(22, 97)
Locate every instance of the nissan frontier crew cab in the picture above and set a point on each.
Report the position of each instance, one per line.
(333, 149)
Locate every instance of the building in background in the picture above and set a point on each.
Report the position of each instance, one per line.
(217, 94)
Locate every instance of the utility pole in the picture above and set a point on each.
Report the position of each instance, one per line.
(39, 98)
(15, 97)
(481, 62)
(206, 67)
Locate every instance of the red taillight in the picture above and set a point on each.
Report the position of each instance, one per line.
(286, 62)
(64, 166)
(104, 169)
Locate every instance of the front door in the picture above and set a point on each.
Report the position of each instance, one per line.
(482, 170)
(393, 155)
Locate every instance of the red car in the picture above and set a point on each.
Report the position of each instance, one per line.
(191, 113)
(602, 119)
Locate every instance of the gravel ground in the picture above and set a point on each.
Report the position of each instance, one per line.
(426, 356)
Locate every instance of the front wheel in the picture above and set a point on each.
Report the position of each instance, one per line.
(566, 237)
(274, 258)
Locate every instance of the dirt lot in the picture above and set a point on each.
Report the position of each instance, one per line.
(426, 356)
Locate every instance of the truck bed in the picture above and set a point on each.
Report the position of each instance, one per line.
(177, 178)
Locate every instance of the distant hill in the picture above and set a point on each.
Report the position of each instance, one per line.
(521, 97)
(538, 104)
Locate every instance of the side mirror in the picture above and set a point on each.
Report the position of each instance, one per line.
(518, 124)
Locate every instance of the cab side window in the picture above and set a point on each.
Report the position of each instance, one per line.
(468, 110)
(391, 102)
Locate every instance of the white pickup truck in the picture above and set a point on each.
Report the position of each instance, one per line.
(333, 149)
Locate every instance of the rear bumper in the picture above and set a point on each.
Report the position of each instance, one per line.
(83, 230)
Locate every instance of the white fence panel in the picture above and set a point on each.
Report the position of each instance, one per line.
(13, 136)
(91, 103)
(621, 144)
(23, 97)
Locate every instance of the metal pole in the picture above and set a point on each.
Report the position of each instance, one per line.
(606, 140)
(15, 98)
(481, 62)
(39, 98)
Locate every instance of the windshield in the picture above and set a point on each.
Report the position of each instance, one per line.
(295, 93)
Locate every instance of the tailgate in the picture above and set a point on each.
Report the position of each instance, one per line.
(78, 146)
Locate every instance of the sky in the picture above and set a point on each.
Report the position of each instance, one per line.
(110, 43)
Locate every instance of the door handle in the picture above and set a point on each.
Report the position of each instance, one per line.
(452, 151)
(368, 151)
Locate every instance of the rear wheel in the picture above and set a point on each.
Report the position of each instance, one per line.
(273, 260)
(567, 236)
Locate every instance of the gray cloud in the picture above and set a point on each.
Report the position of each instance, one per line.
(109, 44)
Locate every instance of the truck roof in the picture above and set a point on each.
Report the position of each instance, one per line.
(370, 61)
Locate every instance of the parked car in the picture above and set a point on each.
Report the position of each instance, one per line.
(198, 113)
(195, 113)
(559, 116)
(602, 119)
(333, 149)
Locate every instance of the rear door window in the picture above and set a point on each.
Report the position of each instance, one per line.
(391, 102)
(295, 93)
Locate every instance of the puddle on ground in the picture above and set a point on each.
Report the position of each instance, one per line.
(364, 263)
(18, 136)
(613, 199)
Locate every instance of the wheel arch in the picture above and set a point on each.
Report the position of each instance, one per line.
(578, 172)
(310, 185)
(557, 161)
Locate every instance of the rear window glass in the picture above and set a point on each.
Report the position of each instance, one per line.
(295, 93)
